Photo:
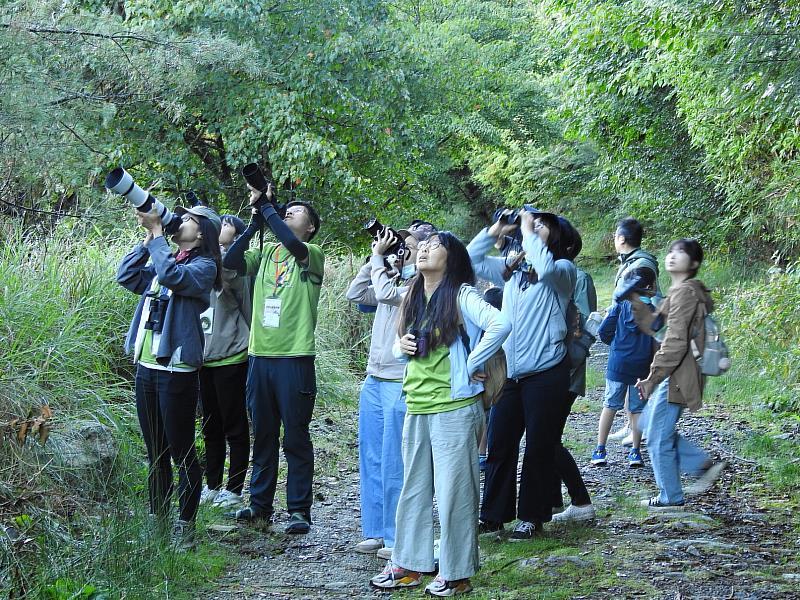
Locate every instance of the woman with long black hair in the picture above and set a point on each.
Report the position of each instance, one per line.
(535, 398)
(166, 341)
(440, 324)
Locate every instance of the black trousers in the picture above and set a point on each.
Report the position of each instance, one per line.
(222, 397)
(281, 391)
(166, 404)
(566, 469)
(533, 405)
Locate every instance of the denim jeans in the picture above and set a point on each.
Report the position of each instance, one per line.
(381, 411)
(670, 452)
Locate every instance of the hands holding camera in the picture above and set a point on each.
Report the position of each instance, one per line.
(383, 242)
(151, 221)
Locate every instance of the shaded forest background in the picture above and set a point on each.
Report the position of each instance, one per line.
(685, 114)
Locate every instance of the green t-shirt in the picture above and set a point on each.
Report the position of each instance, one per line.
(285, 299)
(236, 359)
(148, 358)
(427, 384)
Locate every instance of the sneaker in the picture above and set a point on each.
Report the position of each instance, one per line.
(599, 456)
(384, 553)
(635, 458)
(393, 578)
(248, 514)
(489, 527)
(208, 495)
(369, 545)
(526, 531)
(183, 536)
(299, 523)
(440, 587)
(575, 513)
(620, 434)
(655, 504)
(227, 499)
(628, 441)
(709, 477)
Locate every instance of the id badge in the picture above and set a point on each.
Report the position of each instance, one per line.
(207, 320)
(272, 312)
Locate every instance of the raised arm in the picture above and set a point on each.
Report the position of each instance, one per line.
(495, 325)
(134, 274)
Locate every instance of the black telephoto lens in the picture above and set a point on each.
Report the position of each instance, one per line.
(255, 177)
(374, 227)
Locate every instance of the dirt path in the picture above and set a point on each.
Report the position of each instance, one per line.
(729, 543)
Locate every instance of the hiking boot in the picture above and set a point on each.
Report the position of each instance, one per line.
(489, 527)
(576, 514)
(227, 499)
(655, 504)
(599, 456)
(183, 539)
(207, 495)
(248, 514)
(299, 523)
(635, 458)
(619, 434)
(384, 553)
(526, 530)
(441, 588)
(394, 578)
(369, 545)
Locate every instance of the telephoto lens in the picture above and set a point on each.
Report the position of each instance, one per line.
(255, 177)
(376, 228)
(121, 182)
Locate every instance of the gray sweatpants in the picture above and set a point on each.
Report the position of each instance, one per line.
(440, 453)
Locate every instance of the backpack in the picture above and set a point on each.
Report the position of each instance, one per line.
(578, 339)
(495, 369)
(713, 359)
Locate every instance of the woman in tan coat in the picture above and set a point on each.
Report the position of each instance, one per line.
(675, 382)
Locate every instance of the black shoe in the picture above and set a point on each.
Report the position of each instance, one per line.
(248, 514)
(298, 523)
(489, 527)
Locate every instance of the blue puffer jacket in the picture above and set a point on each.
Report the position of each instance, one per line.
(191, 283)
(538, 312)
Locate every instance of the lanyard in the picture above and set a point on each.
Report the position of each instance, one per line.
(277, 261)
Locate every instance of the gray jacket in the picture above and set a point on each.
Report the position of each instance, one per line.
(230, 329)
(190, 282)
(373, 286)
(538, 312)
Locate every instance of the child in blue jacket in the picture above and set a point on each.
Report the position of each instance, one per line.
(628, 361)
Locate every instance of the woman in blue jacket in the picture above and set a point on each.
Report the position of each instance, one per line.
(440, 324)
(535, 398)
(166, 341)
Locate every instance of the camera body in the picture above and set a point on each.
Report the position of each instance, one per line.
(376, 228)
(255, 177)
(121, 182)
(422, 338)
(158, 312)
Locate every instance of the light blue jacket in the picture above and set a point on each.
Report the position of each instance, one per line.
(537, 312)
(478, 316)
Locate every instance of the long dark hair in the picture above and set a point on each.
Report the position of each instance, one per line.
(439, 316)
(693, 248)
(209, 246)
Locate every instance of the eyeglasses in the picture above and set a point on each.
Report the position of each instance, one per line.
(186, 218)
(428, 245)
(296, 211)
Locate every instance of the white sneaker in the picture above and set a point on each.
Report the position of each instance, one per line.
(575, 513)
(385, 553)
(227, 499)
(628, 441)
(619, 434)
(369, 545)
(703, 483)
(207, 495)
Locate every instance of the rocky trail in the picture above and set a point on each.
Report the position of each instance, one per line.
(735, 542)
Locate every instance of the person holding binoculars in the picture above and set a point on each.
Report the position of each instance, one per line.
(166, 341)
(281, 380)
(535, 398)
(381, 406)
(442, 382)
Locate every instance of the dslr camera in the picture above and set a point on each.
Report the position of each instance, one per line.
(399, 249)
(121, 182)
(255, 177)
